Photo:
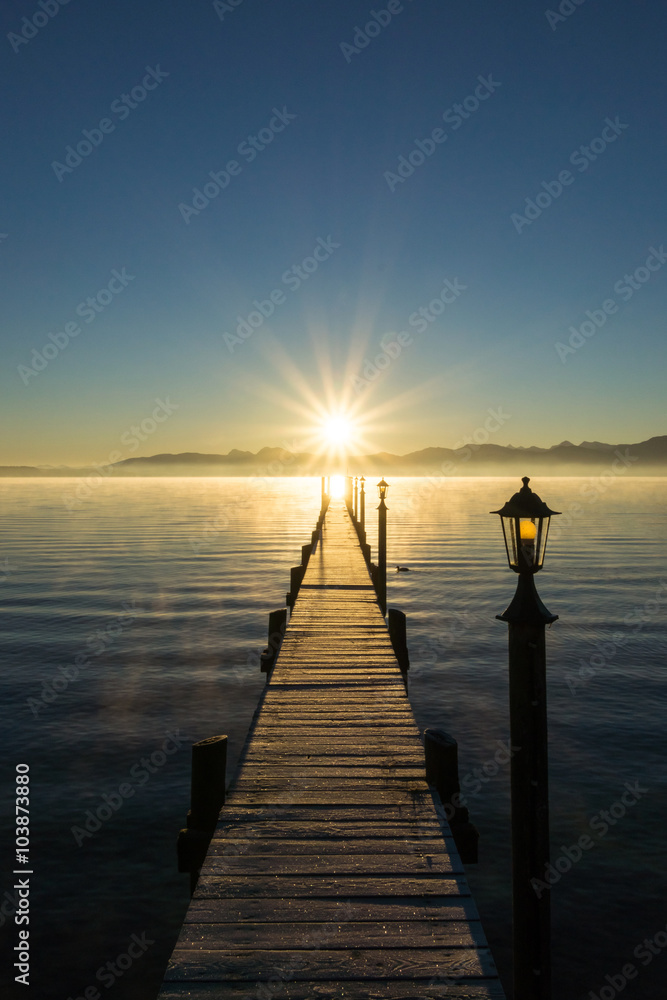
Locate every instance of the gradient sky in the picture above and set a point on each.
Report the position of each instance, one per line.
(324, 177)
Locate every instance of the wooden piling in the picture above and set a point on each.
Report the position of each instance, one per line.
(442, 771)
(207, 797)
(277, 626)
(397, 625)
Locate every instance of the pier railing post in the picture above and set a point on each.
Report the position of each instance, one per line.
(207, 797)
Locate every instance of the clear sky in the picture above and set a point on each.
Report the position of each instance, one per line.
(351, 188)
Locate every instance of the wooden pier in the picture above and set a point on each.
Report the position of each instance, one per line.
(328, 875)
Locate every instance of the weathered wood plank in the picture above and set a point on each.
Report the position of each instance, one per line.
(325, 844)
(221, 862)
(233, 886)
(417, 989)
(433, 933)
(318, 963)
(259, 772)
(375, 909)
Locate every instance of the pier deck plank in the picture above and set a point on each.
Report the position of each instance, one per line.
(329, 874)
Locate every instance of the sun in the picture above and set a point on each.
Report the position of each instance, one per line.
(337, 431)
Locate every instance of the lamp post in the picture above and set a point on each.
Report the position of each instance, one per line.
(356, 497)
(525, 520)
(382, 548)
(362, 506)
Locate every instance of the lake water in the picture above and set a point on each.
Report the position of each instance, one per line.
(131, 627)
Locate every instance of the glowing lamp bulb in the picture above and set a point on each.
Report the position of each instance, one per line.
(527, 530)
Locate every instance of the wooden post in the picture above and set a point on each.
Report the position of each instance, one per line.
(305, 553)
(296, 576)
(207, 797)
(356, 498)
(277, 626)
(324, 493)
(397, 625)
(442, 771)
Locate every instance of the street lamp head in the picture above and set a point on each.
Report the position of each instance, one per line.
(525, 520)
(382, 489)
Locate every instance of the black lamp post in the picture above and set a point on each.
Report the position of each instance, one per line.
(356, 497)
(362, 505)
(382, 548)
(525, 520)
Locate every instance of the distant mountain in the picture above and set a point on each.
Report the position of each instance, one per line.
(647, 458)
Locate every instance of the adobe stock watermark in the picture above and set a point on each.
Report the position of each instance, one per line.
(565, 9)
(600, 824)
(645, 952)
(378, 21)
(88, 311)
(249, 149)
(624, 289)
(98, 642)
(139, 774)
(31, 26)
(131, 438)
(6, 570)
(467, 446)
(223, 7)
(222, 519)
(122, 107)
(455, 116)
(419, 320)
(108, 973)
(293, 278)
(581, 158)
(636, 620)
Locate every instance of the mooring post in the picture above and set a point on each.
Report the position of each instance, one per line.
(207, 797)
(397, 624)
(296, 576)
(277, 626)
(305, 553)
(324, 493)
(442, 771)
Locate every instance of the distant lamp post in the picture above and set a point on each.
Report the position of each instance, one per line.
(382, 548)
(525, 520)
(356, 497)
(362, 504)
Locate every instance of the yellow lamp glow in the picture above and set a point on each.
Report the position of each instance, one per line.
(528, 530)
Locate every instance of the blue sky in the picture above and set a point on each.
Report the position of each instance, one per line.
(332, 125)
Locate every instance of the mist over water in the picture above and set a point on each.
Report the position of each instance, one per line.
(131, 627)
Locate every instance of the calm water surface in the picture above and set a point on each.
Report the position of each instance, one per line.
(139, 617)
